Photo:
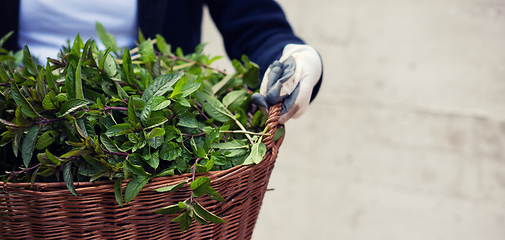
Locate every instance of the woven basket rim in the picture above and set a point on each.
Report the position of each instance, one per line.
(272, 124)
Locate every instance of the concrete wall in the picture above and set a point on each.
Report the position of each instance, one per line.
(406, 139)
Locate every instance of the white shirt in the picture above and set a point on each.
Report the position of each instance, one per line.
(46, 25)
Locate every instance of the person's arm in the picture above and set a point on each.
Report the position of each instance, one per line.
(259, 29)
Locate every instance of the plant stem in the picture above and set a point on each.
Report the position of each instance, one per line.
(28, 169)
(246, 132)
(116, 108)
(196, 135)
(193, 175)
(116, 153)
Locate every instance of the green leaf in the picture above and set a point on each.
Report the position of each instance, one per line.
(41, 86)
(214, 195)
(119, 129)
(188, 120)
(232, 148)
(278, 133)
(118, 192)
(146, 51)
(132, 116)
(52, 158)
(170, 151)
(156, 132)
(47, 103)
(67, 176)
(251, 75)
(76, 152)
(206, 214)
(127, 66)
(86, 50)
(108, 143)
(110, 66)
(134, 186)
(200, 186)
(178, 52)
(162, 45)
(121, 92)
(46, 139)
(154, 159)
(213, 107)
(3, 73)
(166, 172)
(234, 144)
(34, 176)
(28, 62)
(19, 118)
(234, 99)
(199, 48)
(70, 82)
(98, 175)
(221, 83)
(171, 188)
(238, 66)
(155, 121)
(184, 102)
(49, 78)
(141, 36)
(146, 112)
(184, 220)
(169, 209)
(101, 64)
(29, 144)
(79, 94)
(161, 85)
(72, 105)
(5, 37)
(21, 101)
(258, 151)
(198, 218)
(155, 142)
(75, 52)
(107, 39)
(211, 137)
(178, 86)
(136, 169)
(189, 88)
(159, 103)
(256, 120)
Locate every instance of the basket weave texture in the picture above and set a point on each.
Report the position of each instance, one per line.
(50, 211)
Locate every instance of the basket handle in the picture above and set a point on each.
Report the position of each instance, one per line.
(273, 120)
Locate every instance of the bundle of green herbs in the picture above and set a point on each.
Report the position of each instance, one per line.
(120, 114)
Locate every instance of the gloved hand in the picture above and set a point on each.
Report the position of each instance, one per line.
(292, 78)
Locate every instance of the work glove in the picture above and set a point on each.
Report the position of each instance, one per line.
(291, 78)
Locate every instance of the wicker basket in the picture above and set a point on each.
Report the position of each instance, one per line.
(49, 211)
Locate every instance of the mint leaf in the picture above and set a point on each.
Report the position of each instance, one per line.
(67, 176)
(72, 105)
(29, 144)
(206, 214)
(258, 151)
(134, 186)
(161, 85)
(169, 209)
(118, 192)
(171, 188)
(213, 107)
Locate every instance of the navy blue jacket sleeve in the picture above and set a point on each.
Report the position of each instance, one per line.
(257, 28)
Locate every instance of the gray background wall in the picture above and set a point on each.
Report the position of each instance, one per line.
(406, 139)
